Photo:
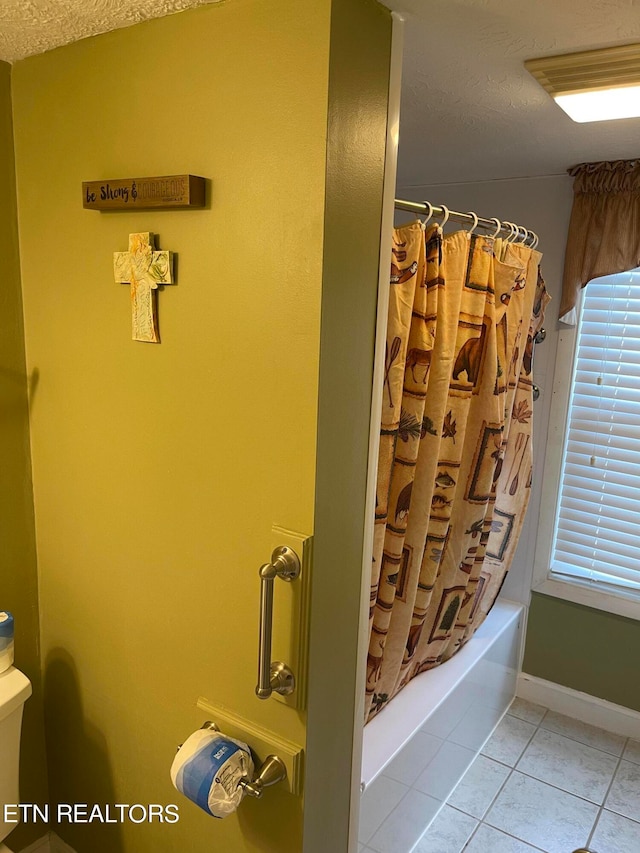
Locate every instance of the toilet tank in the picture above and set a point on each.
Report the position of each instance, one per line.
(15, 689)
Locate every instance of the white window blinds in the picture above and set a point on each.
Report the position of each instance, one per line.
(597, 534)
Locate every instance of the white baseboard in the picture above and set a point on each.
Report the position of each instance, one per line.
(580, 706)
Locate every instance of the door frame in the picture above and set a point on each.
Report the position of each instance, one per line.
(386, 230)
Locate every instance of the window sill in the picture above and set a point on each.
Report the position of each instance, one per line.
(620, 602)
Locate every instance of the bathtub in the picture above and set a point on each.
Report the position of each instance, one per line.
(417, 749)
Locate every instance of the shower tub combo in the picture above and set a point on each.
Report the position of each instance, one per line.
(417, 749)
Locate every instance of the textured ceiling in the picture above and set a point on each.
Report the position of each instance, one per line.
(471, 112)
(33, 26)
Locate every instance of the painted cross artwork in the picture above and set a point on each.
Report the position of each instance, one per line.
(143, 269)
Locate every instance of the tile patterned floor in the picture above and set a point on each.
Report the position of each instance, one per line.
(544, 783)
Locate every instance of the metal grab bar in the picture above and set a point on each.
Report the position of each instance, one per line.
(274, 675)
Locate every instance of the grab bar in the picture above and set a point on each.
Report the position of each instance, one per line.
(274, 675)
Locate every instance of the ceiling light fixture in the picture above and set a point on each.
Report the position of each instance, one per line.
(594, 85)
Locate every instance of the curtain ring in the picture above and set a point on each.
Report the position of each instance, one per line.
(475, 222)
(536, 240)
(512, 231)
(446, 215)
(425, 222)
(498, 227)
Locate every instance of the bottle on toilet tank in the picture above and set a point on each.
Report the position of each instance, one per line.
(6, 640)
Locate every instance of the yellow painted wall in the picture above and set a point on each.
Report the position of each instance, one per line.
(159, 470)
(18, 576)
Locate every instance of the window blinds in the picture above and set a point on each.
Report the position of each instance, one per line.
(597, 535)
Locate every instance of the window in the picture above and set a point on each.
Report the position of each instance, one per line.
(595, 531)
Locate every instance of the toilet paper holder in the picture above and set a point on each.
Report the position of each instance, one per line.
(271, 771)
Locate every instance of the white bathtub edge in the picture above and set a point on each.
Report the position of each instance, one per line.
(409, 710)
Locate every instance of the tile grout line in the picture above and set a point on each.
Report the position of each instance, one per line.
(481, 821)
(367, 843)
(557, 787)
(511, 769)
(515, 768)
(446, 802)
(509, 775)
(530, 738)
(562, 790)
(568, 737)
(515, 838)
(410, 788)
(472, 836)
(601, 809)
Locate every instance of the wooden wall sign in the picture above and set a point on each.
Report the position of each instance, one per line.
(168, 192)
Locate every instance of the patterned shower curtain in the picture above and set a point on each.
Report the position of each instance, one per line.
(454, 467)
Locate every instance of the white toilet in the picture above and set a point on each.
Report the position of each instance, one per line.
(15, 689)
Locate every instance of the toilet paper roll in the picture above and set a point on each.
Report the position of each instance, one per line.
(6, 640)
(207, 769)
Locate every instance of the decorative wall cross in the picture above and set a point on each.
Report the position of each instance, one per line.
(143, 269)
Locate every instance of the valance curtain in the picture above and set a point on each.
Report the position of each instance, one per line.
(604, 231)
(454, 468)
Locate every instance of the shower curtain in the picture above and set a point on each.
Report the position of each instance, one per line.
(454, 466)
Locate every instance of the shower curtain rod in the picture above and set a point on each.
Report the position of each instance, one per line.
(433, 210)
(478, 222)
